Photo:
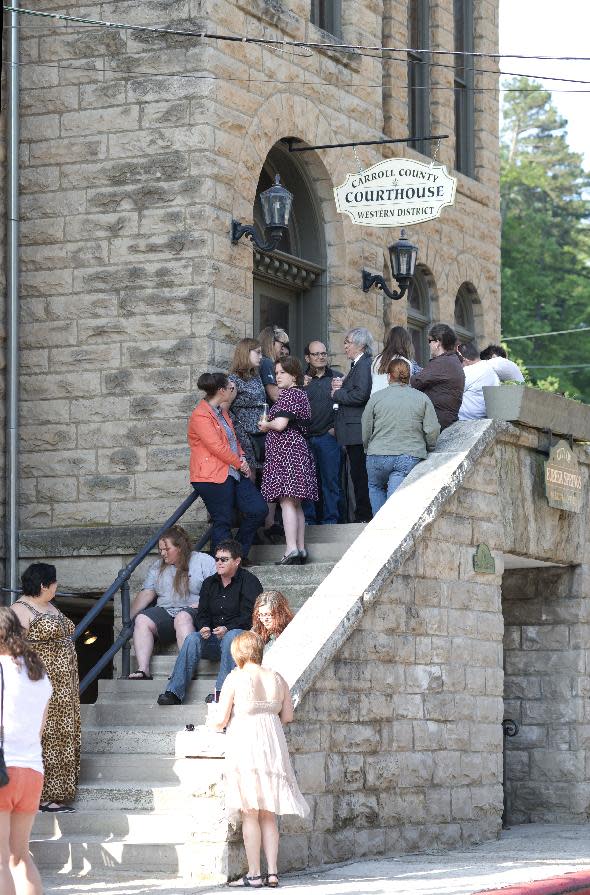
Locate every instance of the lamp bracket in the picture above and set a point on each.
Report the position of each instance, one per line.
(370, 280)
(274, 235)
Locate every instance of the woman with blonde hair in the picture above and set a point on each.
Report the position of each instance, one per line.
(271, 615)
(275, 343)
(248, 404)
(399, 427)
(255, 702)
(26, 690)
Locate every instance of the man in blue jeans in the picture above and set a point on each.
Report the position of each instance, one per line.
(326, 450)
(225, 610)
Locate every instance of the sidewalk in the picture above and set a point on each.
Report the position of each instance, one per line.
(530, 852)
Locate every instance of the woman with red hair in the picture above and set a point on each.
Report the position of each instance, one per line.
(271, 615)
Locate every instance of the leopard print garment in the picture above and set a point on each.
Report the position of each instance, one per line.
(50, 635)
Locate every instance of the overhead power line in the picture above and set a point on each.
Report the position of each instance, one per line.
(557, 332)
(557, 366)
(280, 42)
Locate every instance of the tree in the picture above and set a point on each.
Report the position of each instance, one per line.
(545, 237)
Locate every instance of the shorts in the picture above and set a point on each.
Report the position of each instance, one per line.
(22, 793)
(164, 622)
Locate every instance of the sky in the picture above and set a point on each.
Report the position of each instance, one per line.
(549, 28)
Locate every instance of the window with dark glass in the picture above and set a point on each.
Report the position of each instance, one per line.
(464, 316)
(326, 15)
(464, 84)
(419, 72)
(419, 316)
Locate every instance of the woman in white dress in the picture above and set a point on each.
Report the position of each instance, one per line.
(254, 704)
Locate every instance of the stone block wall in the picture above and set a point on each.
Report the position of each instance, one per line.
(137, 151)
(547, 614)
(398, 745)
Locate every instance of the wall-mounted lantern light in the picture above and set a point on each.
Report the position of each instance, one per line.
(276, 207)
(402, 256)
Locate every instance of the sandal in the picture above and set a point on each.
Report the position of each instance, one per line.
(56, 808)
(139, 676)
(275, 882)
(246, 881)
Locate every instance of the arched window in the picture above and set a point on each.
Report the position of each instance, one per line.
(419, 73)
(464, 312)
(326, 14)
(420, 313)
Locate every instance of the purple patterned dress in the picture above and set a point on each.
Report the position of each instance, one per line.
(289, 469)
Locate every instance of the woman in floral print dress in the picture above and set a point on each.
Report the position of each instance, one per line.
(289, 474)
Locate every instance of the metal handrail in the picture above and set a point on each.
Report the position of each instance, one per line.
(121, 583)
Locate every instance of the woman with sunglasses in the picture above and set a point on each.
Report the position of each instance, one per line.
(219, 471)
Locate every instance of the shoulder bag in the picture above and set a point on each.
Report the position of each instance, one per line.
(3, 771)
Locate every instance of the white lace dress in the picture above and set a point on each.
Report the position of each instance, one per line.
(257, 765)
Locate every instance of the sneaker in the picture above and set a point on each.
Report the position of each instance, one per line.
(169, 698)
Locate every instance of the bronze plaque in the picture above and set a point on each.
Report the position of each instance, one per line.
(483, 561)
(563, 482)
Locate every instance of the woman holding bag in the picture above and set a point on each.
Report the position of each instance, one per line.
(24, 695)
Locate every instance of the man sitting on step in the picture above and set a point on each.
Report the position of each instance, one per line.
(225, 610)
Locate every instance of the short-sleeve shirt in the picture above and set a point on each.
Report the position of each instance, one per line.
(267, 371)
(24, 705)
(201, 566)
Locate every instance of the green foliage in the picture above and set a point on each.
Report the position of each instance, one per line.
(545, 239)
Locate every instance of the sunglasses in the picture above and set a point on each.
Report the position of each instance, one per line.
(222, 558)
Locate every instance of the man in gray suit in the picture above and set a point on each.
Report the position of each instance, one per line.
(350, 394)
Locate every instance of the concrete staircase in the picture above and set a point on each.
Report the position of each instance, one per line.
(150, 799)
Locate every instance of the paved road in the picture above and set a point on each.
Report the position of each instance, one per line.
(534, 851)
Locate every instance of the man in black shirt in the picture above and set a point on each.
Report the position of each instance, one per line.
(225, 610)
(325, 448)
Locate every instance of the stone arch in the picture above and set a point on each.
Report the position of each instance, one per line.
(468, 312)
(280, 117)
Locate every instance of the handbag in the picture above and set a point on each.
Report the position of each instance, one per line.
(3, 771)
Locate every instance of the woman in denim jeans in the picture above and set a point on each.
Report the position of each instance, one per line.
(399, 428)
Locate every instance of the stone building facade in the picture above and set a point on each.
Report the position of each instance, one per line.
(137, 150)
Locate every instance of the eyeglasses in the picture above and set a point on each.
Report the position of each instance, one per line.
(318, 353)
(264, 614)
(348, 342)
(285, 344)
(434, 340)
(223, 558)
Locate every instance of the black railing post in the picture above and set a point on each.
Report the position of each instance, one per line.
(510, 728)
(125, 618)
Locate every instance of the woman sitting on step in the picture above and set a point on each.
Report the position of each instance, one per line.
(270, 616)
(174, 581)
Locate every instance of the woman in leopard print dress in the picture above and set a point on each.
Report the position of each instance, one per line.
(50, 632)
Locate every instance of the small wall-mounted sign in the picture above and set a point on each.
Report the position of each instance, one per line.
(396, 192)
(563, 482)
(483, 561)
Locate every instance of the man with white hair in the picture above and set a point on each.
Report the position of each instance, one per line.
(350, 395)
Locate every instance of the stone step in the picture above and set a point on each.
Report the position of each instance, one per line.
(122, 826)
(128, 740)
(139, 692)
(318, 552)
(157, 770)
(342, 534)
(131, 715)
(137, 795)
(312, 573)
(114, 860)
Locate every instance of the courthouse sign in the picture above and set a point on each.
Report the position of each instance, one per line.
(563, 482)
(396, 191)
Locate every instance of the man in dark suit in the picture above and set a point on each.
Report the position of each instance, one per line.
(350, 395)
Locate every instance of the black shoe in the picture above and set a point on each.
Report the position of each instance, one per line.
(291, 559)
(212, 697)
(169, 698)
(302, 561)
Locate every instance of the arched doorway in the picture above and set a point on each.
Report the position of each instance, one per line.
(290, 284)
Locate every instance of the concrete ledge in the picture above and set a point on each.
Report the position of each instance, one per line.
(541, 410)
(326, 620)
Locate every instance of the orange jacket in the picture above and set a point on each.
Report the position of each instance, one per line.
(211, 455)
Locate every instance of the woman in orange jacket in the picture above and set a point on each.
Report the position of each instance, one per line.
(218, 469)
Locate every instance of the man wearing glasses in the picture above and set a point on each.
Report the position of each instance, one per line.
(225, 610)
(322, 440)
